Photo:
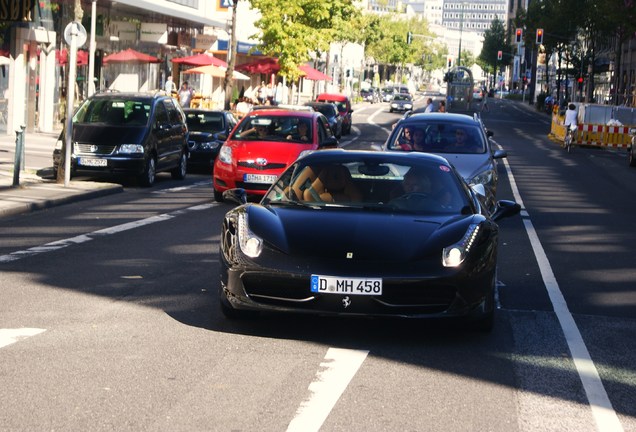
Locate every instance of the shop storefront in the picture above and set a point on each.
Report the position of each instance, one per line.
(34, 57)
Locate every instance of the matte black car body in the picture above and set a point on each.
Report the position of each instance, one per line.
(135, 134)
(208, 131)
(373, 237)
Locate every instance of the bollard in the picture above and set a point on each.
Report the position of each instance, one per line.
(19, 155)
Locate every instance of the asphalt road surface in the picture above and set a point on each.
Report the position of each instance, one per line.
(109, 317)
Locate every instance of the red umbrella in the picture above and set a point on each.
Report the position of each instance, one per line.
(62, 57)
(270, 65)
(314, 74)
(130, 56)
(200, 60)
(265, 65)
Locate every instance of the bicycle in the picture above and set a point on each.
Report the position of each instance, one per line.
(570, 134)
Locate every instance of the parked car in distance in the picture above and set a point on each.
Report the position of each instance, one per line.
(478, 95)
(344, 108)
(363, 233)
(134, 134)
(387, 94)
(461, 139)
(401, 102)
(329, 110)
(369, 95)
(208, 131)
(263, 144)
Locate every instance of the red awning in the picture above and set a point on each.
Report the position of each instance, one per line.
(130, 56)
(200, 60)
(61, 56)
(269, 65)
(314, 74)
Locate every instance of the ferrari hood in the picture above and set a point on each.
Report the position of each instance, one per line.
(338, 233)
(468, 165)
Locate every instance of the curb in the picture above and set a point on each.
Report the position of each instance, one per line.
(45, 203)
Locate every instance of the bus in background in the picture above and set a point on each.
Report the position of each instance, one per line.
(459, 89)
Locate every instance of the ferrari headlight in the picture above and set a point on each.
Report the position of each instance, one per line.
(454, 255)
(484, 177)
(225, 155)
(251, 245)
(131, 148)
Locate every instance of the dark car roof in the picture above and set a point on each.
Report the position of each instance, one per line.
(451, 117)
(130, 95)
(329, 155)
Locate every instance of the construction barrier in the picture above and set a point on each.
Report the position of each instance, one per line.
(598, 135)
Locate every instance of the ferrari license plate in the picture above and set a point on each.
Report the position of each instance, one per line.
(344, 285)
(93, 162)
(259, 178)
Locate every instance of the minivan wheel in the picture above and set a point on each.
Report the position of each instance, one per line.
(179, 172)
(147, 178)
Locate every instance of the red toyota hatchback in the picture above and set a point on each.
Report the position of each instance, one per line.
(263, 144)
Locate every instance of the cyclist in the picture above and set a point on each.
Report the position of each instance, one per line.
(571, 125)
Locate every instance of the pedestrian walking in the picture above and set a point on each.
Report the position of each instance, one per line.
(484, 102)
(442, 106)
(185, 95)
(429, 106)
(170, 86)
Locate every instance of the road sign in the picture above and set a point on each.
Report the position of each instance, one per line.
(75, 28)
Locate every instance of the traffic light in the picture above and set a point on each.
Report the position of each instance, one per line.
(519, 35)
(580, 81)
(539, 36)
(450, 62)
(409, 37)
(499, 55)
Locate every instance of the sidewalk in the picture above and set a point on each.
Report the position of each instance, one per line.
(37, 189)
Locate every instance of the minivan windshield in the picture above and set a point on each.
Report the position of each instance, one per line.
(114, 111)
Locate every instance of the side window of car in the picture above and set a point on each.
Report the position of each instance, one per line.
(324, 128)
(161, 115)
(173, 113)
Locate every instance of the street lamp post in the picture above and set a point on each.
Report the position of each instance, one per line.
(91, 48)
(461, 29)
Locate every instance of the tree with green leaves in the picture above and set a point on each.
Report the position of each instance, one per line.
(495, 40)
(294, 29)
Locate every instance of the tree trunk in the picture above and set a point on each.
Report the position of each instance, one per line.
(228, 82)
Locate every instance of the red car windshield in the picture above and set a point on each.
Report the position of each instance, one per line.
(274, 128)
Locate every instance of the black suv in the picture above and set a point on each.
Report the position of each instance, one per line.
(138, 134)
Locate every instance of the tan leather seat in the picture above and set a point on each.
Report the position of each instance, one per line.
(334, 184)
(302, 182)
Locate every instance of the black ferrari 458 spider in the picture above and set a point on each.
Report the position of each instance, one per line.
(363, 233)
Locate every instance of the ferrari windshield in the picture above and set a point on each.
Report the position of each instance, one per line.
(438, 136)
(290, 127)
(430, 187)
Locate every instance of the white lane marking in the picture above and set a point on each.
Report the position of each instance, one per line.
(339, 367)
(83, 238)
(9, 336)
(602, 410)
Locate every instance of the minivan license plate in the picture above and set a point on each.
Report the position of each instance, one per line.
(344, 285)
(94, 162)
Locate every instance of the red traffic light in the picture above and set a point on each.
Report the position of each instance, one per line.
(499, 55)
(580, 80)
(519, 35)
(539, 36)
